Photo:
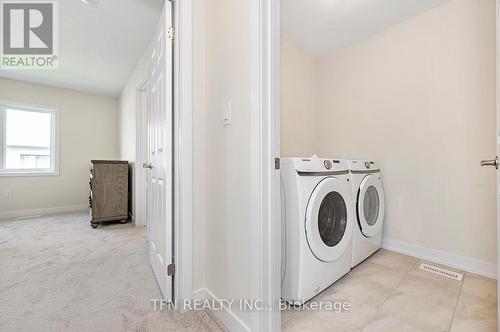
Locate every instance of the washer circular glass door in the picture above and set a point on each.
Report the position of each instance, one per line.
(371, 205)
(329, 219)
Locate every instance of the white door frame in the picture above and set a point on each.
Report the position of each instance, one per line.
(183, 150)
(182, 181)
(141, 141)
(266, 237)
(498, 152)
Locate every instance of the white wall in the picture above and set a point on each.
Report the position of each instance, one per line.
(88, 130)
(419, 98)
(127, 107)
(299, 102)
(127, 119)
(225, 70)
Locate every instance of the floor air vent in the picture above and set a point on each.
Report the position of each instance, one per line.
(440, 271)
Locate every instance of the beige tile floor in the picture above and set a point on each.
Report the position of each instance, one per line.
(388, 292)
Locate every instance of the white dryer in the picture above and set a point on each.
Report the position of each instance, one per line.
(318, 220)
(369, 201)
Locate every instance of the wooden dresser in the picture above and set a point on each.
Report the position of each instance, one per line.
(108, 198)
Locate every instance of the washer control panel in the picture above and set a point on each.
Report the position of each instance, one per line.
(363, 165)
(316, 164)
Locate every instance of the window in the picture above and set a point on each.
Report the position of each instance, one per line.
(29, 140)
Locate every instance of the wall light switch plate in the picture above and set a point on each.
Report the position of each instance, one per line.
(226, 120)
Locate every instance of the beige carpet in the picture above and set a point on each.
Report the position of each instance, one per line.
(58, 274)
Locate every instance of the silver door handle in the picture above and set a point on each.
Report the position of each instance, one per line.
(493, 162)
(147, 165)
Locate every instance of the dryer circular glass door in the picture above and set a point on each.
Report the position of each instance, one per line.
(371, 205)
(329, 220)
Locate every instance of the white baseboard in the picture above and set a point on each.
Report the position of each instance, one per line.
(458, 262)
(230, 320)
(51, 210)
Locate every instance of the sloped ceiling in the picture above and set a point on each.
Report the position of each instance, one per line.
(99, 47)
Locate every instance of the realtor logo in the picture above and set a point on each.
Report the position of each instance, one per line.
(29, 34)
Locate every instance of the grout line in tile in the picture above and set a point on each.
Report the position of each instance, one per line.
(393, 291)
(456, 303)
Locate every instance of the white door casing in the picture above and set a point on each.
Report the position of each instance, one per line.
(160, 154)
(141, 154)
(498, 153)
(495, 162)
(183, 147)
(371, 182)
(266, 239)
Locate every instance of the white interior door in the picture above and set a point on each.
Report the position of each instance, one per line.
(496, 160)
(160, 155)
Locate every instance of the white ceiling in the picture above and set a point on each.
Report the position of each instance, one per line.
(99, 47)
(322, 26)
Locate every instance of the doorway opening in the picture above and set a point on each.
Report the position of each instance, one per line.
(367, 82)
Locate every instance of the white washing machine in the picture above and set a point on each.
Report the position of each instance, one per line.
(369, 202)
(318, 220)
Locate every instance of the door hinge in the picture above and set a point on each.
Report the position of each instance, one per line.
(171, 33)
(171, 270)
(277, 163)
